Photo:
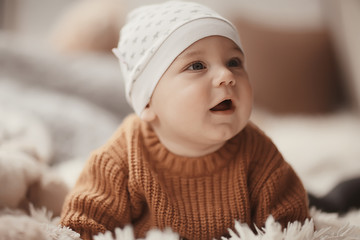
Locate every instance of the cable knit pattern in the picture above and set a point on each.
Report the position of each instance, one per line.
(134, 179)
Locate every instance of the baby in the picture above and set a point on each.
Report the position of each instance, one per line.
(189, 159)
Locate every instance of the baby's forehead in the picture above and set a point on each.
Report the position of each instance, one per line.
(206, 45)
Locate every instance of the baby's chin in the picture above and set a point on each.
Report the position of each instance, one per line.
(222, 136)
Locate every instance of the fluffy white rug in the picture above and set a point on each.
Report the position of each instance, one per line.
(322, 226)
(37, 225)
(40, 224)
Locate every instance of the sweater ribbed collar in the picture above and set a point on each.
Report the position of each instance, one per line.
(175, 165)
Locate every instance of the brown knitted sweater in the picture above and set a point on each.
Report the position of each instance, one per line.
(135, 180)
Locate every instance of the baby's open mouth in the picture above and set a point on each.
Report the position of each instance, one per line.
(223, 106)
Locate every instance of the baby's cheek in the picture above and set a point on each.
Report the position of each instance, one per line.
(245, 92)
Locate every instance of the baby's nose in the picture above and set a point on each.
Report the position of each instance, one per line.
(225, 77)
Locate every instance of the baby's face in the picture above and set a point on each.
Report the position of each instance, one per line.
(203, 99)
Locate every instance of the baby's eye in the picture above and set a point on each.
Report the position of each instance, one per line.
(235, 62)
(196, 66)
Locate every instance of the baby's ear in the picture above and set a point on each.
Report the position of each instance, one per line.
(148, 115)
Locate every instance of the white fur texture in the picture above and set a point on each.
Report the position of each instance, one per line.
(38, 225)
(322, 226)
(17, 172)
(25, 151)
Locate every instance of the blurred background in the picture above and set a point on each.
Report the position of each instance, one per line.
(303, 59)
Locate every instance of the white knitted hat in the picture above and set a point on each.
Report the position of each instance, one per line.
(155, 35)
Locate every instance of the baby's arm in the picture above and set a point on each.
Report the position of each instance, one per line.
(274, 186)
(283, 196)
(100, 198)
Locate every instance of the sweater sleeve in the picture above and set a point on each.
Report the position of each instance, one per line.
(276, 189)
(100, 199)
(283, 197)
